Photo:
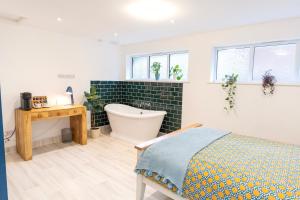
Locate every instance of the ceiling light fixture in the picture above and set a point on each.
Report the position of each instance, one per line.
(59, 19)
(152, 10)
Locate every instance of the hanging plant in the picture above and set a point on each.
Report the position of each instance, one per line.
(268, 83)
(229, 86)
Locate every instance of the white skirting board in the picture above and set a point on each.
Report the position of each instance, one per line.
(37, 144)
(52, 140)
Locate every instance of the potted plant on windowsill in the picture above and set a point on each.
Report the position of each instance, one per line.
(93, 104)
(156, 70)
(176, 72)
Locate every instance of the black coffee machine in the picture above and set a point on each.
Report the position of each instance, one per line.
(26, 103)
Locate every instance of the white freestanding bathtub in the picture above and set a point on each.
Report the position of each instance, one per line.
(133, 124)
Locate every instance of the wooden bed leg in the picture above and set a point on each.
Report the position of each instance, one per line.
(140, 188)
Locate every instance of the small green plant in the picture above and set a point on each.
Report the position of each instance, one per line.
(156, 69)
(176, 72)
(93, 103)
(229, 86)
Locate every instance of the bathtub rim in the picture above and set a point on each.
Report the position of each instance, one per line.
(151, 114)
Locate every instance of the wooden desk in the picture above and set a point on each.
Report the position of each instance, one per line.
(77, 114)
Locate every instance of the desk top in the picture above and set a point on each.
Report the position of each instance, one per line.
(54, 108)
(53, 112)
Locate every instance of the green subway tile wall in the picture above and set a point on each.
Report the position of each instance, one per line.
(110, 92)
(151, 95)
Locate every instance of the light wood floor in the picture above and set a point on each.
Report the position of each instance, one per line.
(102, 170)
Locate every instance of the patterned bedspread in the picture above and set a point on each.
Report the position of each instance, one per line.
(239, 167)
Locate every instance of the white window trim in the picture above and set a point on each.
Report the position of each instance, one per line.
(148, 79)
(252, 47)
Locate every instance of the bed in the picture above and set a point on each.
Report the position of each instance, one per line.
(228, 167)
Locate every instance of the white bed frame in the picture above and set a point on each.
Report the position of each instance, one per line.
(143, 181)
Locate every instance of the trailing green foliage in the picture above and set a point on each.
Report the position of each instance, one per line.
(229, 86)
(93, 103)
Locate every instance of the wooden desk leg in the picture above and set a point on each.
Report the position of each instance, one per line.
(24, 134)
(79, 128)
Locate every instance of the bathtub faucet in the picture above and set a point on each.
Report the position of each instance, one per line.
(144, 104)
(148, 104)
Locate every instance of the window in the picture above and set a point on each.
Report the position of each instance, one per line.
(233, 61)
(139, 67)
(251, 62)
(281, 59)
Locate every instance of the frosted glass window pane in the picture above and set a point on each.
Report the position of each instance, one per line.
(281, 59)
(163, 60)
(140, 68)
(235, 61)
(181, 60)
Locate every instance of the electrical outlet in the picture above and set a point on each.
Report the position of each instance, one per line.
(66, 76)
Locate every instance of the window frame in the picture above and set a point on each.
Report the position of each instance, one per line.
(168, 54)
(252, 48)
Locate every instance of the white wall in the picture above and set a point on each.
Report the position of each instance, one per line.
(31, 59)
(275, 118)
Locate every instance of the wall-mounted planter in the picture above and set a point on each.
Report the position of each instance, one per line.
(268, 83)
(229, 86)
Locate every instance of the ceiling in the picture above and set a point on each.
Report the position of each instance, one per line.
(108, 20)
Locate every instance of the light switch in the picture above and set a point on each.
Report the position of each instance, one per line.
(66, 76)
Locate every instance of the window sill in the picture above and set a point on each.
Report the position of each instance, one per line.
(296, 84)
(155, 81)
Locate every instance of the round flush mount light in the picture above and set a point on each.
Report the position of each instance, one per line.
(59, 19)
(152, 10)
